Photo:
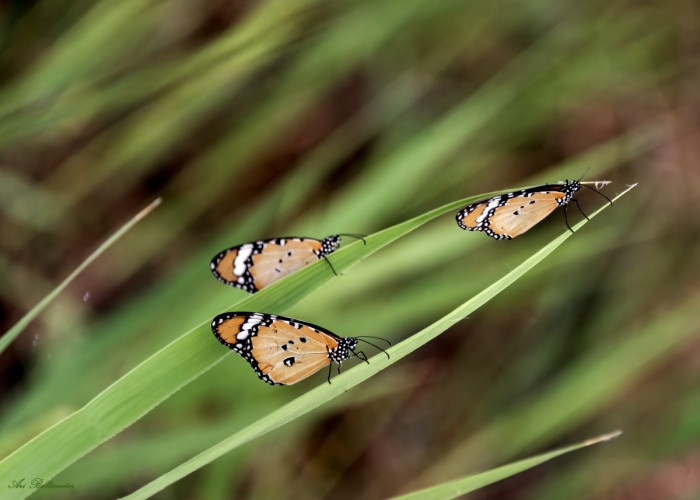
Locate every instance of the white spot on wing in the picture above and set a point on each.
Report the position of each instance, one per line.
(254, 320)
(239, 261)
(492, 204)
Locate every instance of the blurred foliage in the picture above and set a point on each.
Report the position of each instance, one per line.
(255, 119)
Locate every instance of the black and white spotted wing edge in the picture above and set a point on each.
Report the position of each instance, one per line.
(241, 264)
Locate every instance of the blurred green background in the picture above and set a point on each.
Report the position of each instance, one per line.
(255, 119)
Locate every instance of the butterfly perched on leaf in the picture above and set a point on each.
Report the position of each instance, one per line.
(283, 351)
(256, 265)
(509, 215)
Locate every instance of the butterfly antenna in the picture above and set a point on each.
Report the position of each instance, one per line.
(358, 236)
(329, 263)
(601, 194)
(584, 174)
(371, 337)
(376, 347)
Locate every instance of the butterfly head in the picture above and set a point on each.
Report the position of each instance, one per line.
(345, 348)
(329, 245)
(569, 188)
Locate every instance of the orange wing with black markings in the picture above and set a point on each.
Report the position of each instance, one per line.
(511, 214)
(281, 350)
(254, 266)
(279, 260)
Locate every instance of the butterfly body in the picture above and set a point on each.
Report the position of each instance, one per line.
(511, 214)
(256, 265)
(281, 351)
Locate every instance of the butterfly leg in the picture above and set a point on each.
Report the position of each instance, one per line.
(579, 208)
(329, 263)
(566, 219)
(362, 356)
(330, 368)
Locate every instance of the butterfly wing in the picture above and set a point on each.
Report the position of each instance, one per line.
(254, 266)
(232, 266)
(512, 214)
(287, 354)
(282, 257)
(280, 350)
(475, 217)
(521, 213)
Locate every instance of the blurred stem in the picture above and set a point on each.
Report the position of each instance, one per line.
(13, 332)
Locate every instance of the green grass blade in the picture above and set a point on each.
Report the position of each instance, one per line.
(355, 376)
(13, 332)
(462, 486)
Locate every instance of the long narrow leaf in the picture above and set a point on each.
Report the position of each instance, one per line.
(452, 489)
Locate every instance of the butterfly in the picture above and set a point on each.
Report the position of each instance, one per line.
(283, 351)
(256, 265)
(511, 214)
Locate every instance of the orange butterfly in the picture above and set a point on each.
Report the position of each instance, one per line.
(256, 265)
(511, 214)
(283, 351)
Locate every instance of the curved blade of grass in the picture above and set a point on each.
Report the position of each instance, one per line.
(452, 489)
(180, 362)
(355, 376)
(13, 332)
